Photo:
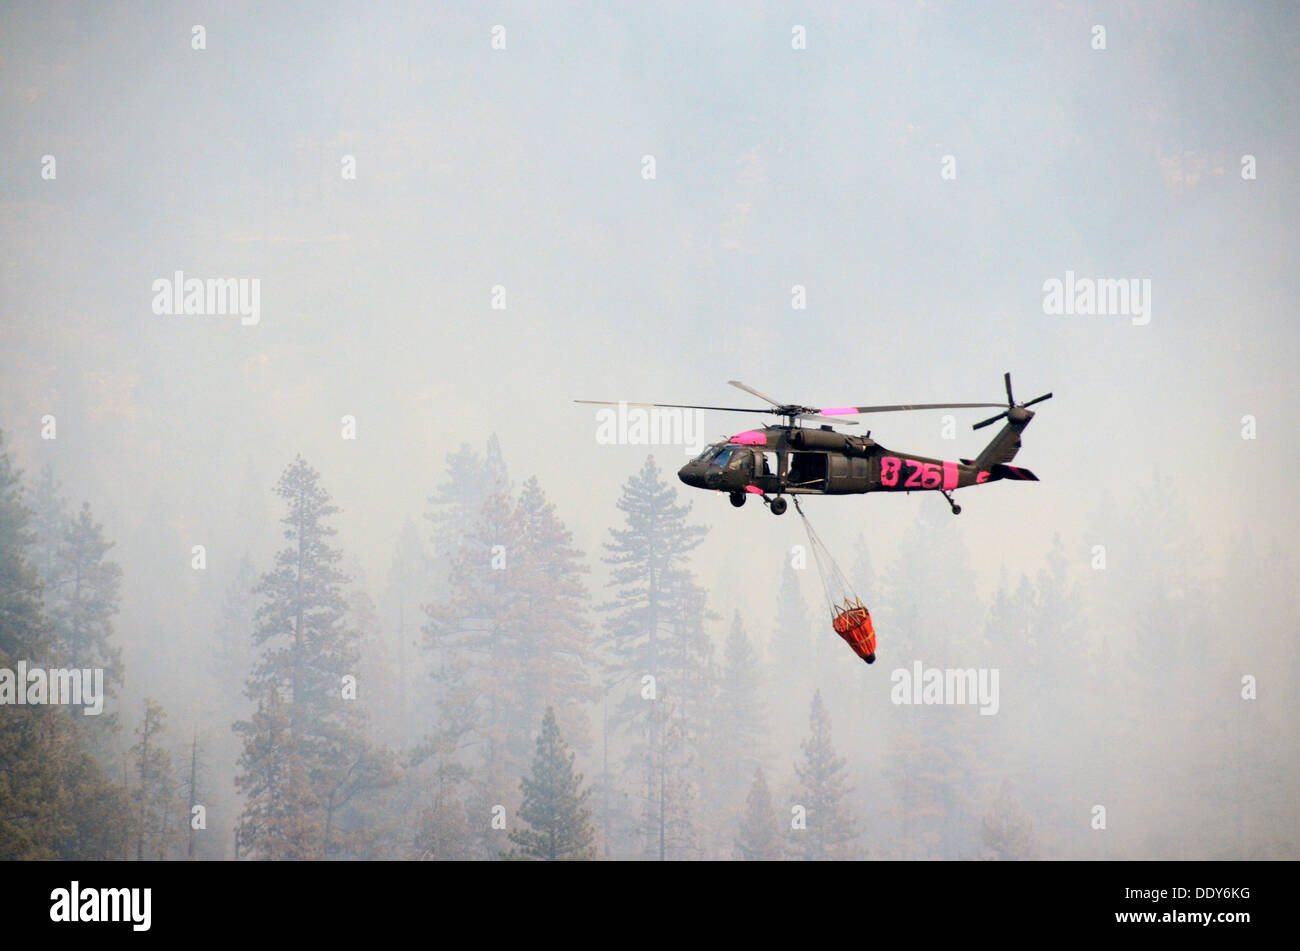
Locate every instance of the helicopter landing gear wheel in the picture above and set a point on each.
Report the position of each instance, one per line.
(956, 509)
(737, 499)
(778, 506)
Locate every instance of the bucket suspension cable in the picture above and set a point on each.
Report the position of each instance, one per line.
(849, 616)
(835, 584)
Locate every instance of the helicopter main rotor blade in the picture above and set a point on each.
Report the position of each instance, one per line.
(749, 389)
(722, 409)
(838, 420)
(848, 410)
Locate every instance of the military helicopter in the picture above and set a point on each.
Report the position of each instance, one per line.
(792, 459)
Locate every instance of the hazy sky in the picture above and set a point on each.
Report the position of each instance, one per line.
(774, 167)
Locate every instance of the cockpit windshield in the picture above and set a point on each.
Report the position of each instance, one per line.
(722, 457)
(708, 454)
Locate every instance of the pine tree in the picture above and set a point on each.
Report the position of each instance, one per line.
(155, 790)
(737, 739)
(832, 829)
(445, 833)
(512, 638)
(99, 814)
(83, 596)
(760, 827)
(305, 752)
(670, 779)
(554, 804)
(34, 798)
(655, 630)
(302, 629)
(553, 668)
(474, 638)
(282, 818)
(653, 588)
(55, 802)
(471, 480)
(24, 630)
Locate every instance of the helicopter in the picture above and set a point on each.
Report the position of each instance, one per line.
(793, 459)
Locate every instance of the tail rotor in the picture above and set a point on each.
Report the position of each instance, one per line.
(1013, 408)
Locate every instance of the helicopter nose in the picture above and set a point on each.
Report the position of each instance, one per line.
(692, 474)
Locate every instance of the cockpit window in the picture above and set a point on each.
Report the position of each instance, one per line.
(722, 457)
(707, 454)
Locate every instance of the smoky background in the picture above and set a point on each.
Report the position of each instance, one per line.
(820, 167)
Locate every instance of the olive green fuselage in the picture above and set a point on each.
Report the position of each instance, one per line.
(794, 460)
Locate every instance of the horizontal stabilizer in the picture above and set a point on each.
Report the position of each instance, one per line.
(1004, 471)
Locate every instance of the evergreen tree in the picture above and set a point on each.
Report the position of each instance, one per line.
(82, 597)
(24, 630)
(377, 671)
(55, 802)
(760, 827)
(736, 742)
(282, 818)
(831, 826)
(741, 701)
(653, 590)
(97, 822)
(554, 804)
(305, 752)
(445, 832)
(471, 480)
(654, 630)
(670, 778)
(153, 798)
(553, 667)
(474, 638)
(512, 638)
